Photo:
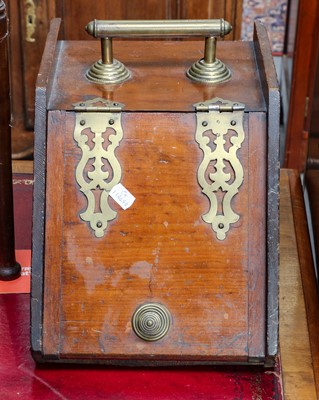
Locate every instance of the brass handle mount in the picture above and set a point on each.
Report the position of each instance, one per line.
(207, 70)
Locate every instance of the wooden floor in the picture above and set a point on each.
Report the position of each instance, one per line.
(299, 309)
(299, 305)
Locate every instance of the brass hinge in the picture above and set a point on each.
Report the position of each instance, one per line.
(219, 106)
(98, 104)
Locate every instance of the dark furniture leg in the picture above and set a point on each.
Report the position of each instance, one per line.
(9, 268)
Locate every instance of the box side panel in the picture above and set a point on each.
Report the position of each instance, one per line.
(269, 86)
(53, 234)
(257, 234)
(43, 87)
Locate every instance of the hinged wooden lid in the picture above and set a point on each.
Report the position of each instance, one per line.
(158, 76)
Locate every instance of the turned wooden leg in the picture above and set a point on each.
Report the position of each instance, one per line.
(9, 268)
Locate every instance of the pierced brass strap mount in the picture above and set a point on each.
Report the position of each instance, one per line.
(220, 134)
(98, 132)
(207, 70)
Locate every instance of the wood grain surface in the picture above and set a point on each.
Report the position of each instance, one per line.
(29, 26)
(159, 250)
(42, 92)
(270, 89)
(230, 10)
(297, 368)
(308, 274)
(159, 81)
(22, 167)
(303, 81)
(298, 337)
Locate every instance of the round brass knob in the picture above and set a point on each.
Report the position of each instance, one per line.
(151, 321)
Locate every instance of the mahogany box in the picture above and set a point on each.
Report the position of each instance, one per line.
(155, 219)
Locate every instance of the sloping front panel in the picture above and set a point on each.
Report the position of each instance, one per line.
(157, 251)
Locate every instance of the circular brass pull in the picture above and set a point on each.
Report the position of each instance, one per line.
(151, 321)
(206, 70)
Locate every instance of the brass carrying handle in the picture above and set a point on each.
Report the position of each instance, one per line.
(101, 72)
(158, 29)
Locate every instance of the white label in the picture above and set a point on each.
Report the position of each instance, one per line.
(122, 196)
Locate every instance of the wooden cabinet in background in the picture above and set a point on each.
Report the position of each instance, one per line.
(29, 24)
(302, 82)
(76, 14)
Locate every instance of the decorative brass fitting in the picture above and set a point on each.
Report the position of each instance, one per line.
(151, 321)
(207, 70)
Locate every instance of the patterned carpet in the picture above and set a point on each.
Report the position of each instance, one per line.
(272, 13)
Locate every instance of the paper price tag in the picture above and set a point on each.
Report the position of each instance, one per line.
(122, 196)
